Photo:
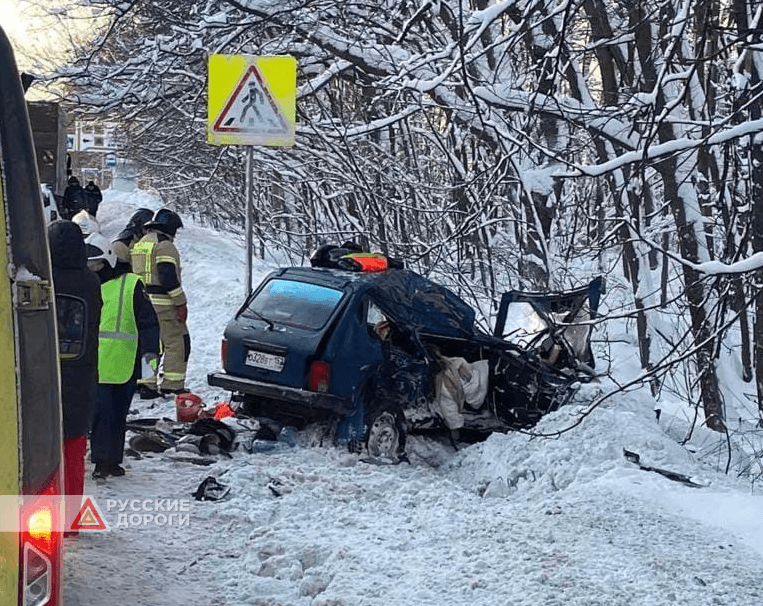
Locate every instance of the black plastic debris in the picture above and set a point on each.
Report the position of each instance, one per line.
(217, 437)
(634, 457)
(211, 489)
(150, 441)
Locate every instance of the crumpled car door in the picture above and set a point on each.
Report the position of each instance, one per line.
(555, 324)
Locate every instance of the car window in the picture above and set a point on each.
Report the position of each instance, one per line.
(522, 324)
(294, 303)
(377, 323)
(374, 314)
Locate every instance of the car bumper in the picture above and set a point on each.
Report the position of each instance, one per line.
(294, 396)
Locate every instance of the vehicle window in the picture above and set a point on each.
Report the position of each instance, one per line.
(374, 314)
(377, 323)
(294, 303)
(522, 324)
(577, 335)
(71, 326)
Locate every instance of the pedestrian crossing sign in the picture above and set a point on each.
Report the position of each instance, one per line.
(252, 100)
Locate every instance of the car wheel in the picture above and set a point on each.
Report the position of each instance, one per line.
(384, 437)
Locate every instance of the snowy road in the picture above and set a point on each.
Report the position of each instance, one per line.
(348, 533)
(579, 525)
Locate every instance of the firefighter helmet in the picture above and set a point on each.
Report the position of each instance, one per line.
(165, 221)
(87, 223)
(140, 217)
(135, 225)
(98, 247)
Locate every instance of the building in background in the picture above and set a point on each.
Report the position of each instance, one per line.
(83, 148)
(93, 150)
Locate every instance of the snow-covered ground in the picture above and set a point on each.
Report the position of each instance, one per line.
(512, 521)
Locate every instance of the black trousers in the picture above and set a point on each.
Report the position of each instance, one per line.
(107, 438)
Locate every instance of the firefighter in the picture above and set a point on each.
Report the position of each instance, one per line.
(156, 260)
(132, 232)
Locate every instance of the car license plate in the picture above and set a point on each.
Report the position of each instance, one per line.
(260, 359)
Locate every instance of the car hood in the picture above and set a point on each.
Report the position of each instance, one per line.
(420, 304)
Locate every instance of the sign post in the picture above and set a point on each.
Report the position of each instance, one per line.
(249, 187)
(251, 101)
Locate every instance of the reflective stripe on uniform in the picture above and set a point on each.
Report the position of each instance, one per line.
(119, 336)
(142, 263)
(176, 292)
(147, 254)
(161, 300)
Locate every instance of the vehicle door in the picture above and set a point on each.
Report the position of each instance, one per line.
(281, 329)
(357, 345)
(30, 403)
(556, 324)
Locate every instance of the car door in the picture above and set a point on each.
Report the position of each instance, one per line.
(281, 329)
(356, 351)
(356, 347)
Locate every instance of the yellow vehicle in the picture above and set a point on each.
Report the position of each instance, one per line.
(31, 468)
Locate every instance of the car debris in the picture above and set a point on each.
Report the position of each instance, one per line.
(634, 457)
(211, 489)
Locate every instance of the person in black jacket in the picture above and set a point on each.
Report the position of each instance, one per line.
(93, 197)
(78, 307)
(129, 335)
(74, 200)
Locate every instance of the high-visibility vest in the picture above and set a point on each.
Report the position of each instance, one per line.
(118, 336)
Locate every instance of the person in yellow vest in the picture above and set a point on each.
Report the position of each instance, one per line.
(128, 338)
(156, 260)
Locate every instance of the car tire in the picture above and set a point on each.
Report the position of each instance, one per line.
(385, 437)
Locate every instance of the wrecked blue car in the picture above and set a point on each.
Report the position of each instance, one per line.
(381, 354)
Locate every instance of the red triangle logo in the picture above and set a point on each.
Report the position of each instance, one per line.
(89, 518)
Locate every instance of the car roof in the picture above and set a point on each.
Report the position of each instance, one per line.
(402, 294)
(324, 276)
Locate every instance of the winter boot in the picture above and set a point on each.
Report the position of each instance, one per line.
(146, 393)
(101, 471)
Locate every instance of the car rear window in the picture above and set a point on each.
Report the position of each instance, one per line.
(294, 303)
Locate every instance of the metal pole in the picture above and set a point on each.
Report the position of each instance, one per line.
(249, 186)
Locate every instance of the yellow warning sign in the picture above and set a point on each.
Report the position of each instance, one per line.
(252, 100)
